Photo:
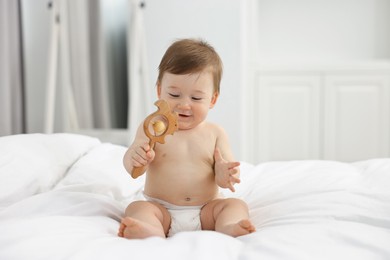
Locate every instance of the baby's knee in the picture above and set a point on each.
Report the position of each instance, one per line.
(137, 206)
(235, 202)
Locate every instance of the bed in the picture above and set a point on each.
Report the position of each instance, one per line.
(62, 197)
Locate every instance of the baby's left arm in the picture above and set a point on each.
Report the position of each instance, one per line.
(226, 173)
(226, 169)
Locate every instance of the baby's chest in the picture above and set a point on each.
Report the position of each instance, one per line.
(195, 148)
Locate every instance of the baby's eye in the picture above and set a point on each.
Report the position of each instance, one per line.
(196, 98)
(174, 95)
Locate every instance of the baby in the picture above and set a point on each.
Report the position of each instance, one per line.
(183, 175)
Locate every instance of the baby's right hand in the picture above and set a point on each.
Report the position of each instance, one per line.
(142, 155)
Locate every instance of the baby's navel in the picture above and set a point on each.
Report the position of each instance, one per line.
(187, 199)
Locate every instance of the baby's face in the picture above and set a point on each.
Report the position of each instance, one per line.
(190, 95)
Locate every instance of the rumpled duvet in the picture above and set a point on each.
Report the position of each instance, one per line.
(62, 196)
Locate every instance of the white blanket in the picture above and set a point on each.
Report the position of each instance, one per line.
(62, 197)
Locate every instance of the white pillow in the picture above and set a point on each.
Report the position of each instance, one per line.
(34, 163)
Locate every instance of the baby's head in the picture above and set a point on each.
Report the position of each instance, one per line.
(188, 56)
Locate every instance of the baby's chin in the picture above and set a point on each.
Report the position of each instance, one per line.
(185, 126)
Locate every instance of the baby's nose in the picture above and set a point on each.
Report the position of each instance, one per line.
(184, 104)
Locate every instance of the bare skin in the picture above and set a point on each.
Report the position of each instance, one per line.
(152, 215)
(189, 168)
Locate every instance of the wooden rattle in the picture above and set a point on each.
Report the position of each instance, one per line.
(162, 122)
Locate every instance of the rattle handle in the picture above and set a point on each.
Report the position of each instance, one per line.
(138, 171)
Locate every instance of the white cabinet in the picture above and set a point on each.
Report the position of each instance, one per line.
(356, 117)
(316, 85)
(318, 114)
(288, 117)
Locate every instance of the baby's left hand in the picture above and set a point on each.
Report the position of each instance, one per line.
(225, 171)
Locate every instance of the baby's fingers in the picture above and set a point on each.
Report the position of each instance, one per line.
(145, 147)
(234, 179)
(138, 160)
(232, 165)
(231, 187)
(141, 155)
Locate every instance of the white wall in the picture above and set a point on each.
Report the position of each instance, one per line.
(219, 23)
(322, 30)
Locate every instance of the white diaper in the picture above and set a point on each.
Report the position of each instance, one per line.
(183, 218)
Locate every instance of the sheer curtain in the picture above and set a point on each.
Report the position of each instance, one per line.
(141, 95)
(82, 63)
(104, 51)
(92, 64)
(91, 47)
(11, 83)
(98, 61)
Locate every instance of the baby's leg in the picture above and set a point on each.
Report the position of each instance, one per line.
(231, 217)
(144, 219)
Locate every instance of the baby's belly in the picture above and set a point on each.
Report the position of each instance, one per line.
(181, 188)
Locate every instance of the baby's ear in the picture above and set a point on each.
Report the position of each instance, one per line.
(214, 99)
(158, 90)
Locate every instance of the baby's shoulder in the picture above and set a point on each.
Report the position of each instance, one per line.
(214, 128)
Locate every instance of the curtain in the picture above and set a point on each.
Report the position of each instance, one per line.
(88, 64)
(11, 80)
(141, 95)
(99, 62)
(92, 64)
(86, 46)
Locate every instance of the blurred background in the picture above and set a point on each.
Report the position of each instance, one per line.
(303, 79)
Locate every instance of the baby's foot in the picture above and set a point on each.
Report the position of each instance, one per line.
(243, 227)
(132, 228)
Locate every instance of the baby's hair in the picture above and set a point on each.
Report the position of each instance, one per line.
(188, 56)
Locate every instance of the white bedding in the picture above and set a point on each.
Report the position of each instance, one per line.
(62, 197)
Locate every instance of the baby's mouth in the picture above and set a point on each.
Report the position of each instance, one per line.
(183, 114)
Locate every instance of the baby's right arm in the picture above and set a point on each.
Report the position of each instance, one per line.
(139, 153)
